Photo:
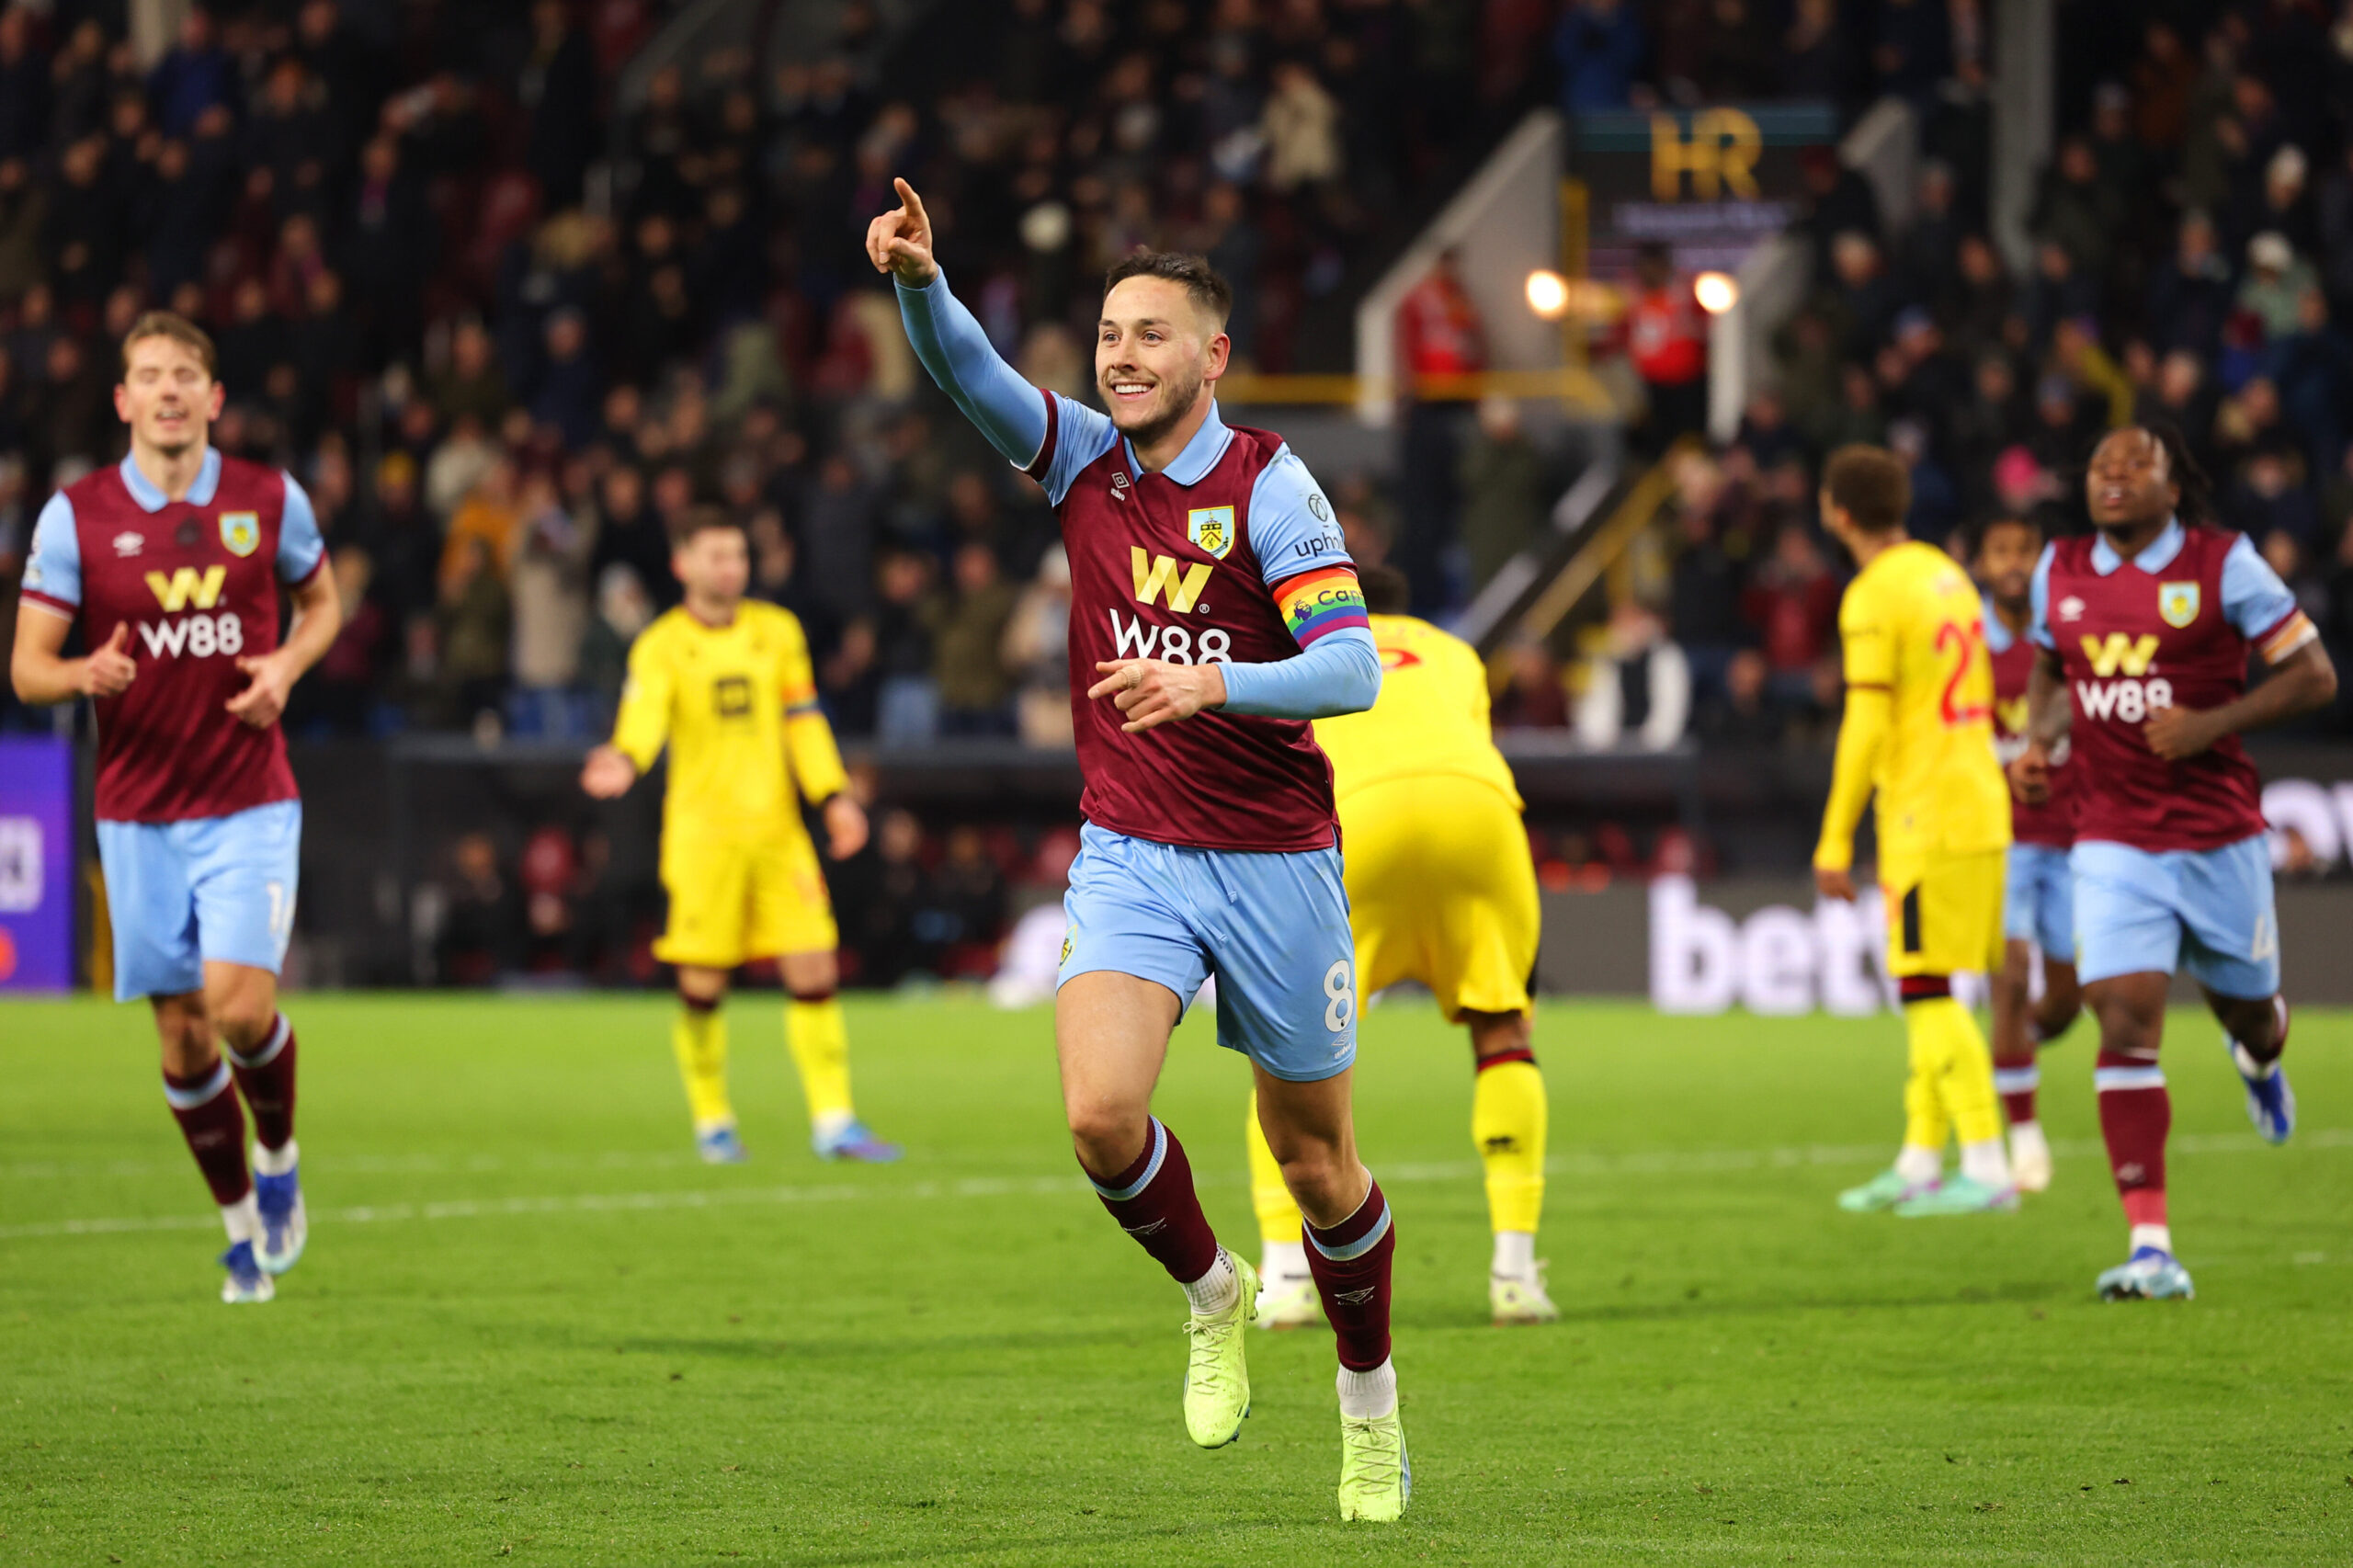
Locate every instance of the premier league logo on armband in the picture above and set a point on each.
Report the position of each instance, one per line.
(241, 531)
(1211, 529)
(2178, 604)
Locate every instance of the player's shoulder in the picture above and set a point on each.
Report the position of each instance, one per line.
(242, 478)
(665, 631)
(100, 486)
(774, 619)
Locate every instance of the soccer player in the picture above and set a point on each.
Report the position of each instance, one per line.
(170, 561)
(2038, 905)
(1442, 889)
(1918, 731)
(2144, 631)
(1214, 611)
(725, 681)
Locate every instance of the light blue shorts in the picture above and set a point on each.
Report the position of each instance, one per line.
(2139, 910)
(210, 889)
(1272, 927)
(2038, 900)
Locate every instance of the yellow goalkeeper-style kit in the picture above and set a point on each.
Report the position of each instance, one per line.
(737, 705)
(1442, 889)
(1918, 732)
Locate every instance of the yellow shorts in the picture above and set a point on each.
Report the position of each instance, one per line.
(736, 899)
(1441, 889)
(1944, 914)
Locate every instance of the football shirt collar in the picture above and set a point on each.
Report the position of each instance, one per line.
(150, 499)
(1201, 454)
(2153, 558)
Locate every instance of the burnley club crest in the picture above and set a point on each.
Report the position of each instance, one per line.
(1211, 529)
(2178, 604)
(240, 533)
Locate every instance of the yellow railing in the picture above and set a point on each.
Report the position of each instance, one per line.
(1608, 542)
(1573, 385)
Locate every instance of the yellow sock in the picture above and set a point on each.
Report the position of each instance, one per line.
(1926, 1123)
(1508, 1120)
(1278, 1214)
(1965, 1068)
(820, 1042)
(699, 1036)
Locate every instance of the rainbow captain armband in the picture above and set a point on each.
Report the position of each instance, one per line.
(1317, 604)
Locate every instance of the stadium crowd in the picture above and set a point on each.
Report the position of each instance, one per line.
(508, 307)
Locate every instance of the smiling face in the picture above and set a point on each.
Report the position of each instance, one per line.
(2131, 482)
(1156, 354)
(167, 397)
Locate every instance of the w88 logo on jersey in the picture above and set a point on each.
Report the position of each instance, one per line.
(199, 636)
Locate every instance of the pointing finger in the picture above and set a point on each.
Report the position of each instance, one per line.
(909, 201)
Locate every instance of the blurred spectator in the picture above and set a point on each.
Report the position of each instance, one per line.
(2277, 278)
(476, 619)
(472, 386)
(975, 689)
(902, 663)
(1505, 494)
(1036, 653)
(1635, 684)
(1794, 606)
(622, 611)
(483, 922)
(1599, 46)
(1667, 339)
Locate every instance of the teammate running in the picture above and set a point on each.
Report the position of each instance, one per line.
(170, 562)
(2144, 633)
(1442, 889)
(1918, 730)
(725, 681)
(2038, 907)
(1213, 612)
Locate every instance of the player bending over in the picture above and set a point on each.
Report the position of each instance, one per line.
(2144, 631)
(2038, 907)
(170, 562)
(1918, 730)
(1213, 612)
(1442, 889)
(726, 682)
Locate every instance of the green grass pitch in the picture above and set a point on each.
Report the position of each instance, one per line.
(531, 1328)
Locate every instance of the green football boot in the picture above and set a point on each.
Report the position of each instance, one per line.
(1375, 1478)
(1884, 1190)
(1217, 1376)
(1961, 1195)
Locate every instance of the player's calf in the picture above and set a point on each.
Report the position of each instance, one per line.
(2255, 1031)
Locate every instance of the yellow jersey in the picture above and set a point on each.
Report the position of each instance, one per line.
(1431, 716)
(737, 705)
(1920, 686)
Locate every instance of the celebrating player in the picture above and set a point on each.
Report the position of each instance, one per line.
(726, 682)
(1918, 730)
(2038, 907)
(1441, 889)
(2144, 633)
(170, 561)
(1213, 612)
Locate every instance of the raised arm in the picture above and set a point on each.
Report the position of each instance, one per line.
(1008, 410)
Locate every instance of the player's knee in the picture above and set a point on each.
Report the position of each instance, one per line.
(1495, 1034)
(2255, 1024)
(1314, 1171)
(1108, 1138)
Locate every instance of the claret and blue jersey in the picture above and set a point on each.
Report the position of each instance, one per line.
(2169, 855)
(199, 826)
(1211, 844)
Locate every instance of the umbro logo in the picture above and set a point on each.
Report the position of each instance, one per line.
(1150, 1228)
(2071, 608)
(1120, 485)
(129, 543)
(1356, 1298)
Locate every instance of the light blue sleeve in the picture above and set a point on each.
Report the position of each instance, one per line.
(299, 544)
(53, 570)
(1292, 526)
(1341, 674)
(1081, 435)
(2254, 598)
(2037, 624)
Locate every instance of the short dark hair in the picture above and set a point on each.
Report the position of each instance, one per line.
(1387, 591)
(1870, 485)
(180, 329)
(1212, 292)
(1984, 527)
(702, 519)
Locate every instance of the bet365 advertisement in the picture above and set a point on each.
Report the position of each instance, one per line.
(36, 865)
